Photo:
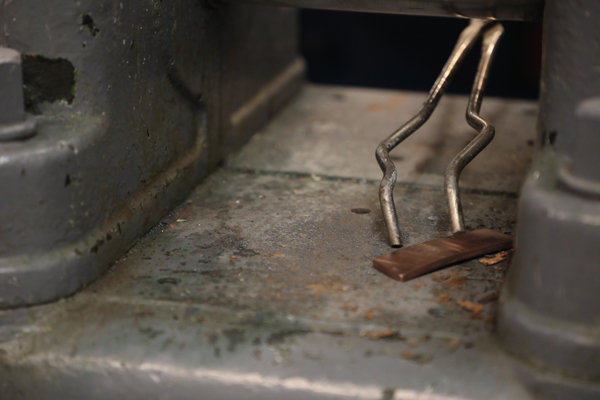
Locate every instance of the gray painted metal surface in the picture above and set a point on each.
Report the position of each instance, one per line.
(340, 125)
(526, 10)
(550, 317)
(133, 102)
(260, 284)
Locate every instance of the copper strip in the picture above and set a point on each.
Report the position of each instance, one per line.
(411, 262)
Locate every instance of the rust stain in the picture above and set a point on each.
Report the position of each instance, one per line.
(456, 281)
(470, 306)
(393, 103)
(317, 288)
(185, 212)
(453, 344)
(408, 354)
(489, 298)
(332, 284)
(378, 333)
(440, 278)
(444, 298)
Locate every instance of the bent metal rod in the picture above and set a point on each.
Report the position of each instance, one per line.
(464, 44)
(413, 261)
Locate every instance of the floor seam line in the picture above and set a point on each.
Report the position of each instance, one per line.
(334, 178)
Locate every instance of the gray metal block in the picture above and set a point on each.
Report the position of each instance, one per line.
(131, 110)
(550, 309)
(550, 313)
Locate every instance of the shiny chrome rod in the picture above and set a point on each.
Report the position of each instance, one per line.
(465, 42)
(486, 130)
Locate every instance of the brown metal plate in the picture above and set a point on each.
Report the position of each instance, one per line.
(414, 261)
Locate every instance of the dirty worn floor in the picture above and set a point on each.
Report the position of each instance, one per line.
(260, 284)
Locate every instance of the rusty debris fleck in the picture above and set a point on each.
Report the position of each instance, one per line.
(413, 261)
(453, 344)
(408, 354)
(440, 278)
(499, 257)
(380, 334)
(444, 298)
(470, 306)
(489, 298)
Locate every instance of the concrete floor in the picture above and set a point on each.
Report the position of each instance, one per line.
(260, 284)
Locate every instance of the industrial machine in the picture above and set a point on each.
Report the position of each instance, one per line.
(184, 217)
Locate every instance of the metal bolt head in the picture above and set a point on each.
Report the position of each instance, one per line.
(13, 121)
(11, 82)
